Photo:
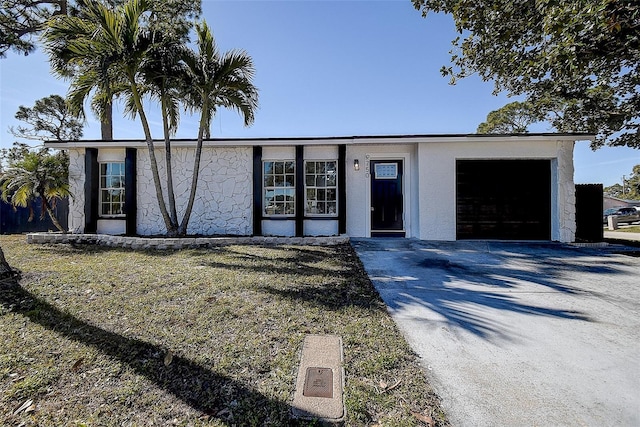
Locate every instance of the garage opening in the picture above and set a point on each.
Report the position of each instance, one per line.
(503, 199)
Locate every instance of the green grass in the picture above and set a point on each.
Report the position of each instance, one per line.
(630, 229)
(87, 332)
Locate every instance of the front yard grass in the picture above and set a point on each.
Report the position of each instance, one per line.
(102, 336)
(630, 229)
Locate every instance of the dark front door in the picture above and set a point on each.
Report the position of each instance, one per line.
(386, 198)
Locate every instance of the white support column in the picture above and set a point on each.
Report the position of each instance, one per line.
(76, 187)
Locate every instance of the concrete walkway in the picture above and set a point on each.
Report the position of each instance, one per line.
(515, 334)
(621, 235)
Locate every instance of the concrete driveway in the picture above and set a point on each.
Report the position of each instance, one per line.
(517, 334)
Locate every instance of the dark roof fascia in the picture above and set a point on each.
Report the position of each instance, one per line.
(328, 139)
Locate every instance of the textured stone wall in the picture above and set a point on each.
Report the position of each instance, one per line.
(76, 186)
(223, 204)
(566, 193)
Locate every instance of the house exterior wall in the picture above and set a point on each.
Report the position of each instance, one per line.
(437, 182)
(225, 197)
(359, 186)
(563, 225)
(76, 187)
(223, 203)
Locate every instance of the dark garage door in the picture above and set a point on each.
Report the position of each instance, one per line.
(503, 199)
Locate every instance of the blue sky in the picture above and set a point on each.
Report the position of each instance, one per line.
(326, 68)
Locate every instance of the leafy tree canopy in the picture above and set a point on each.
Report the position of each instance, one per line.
(122, 52)
(48, 119)
(27, 173)
(614, 190)
(631, 188)
(515, 117)
(578, 59)
(22, 20)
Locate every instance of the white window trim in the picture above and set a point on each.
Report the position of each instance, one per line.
(316, 215)
(265, 188)
(100, 190)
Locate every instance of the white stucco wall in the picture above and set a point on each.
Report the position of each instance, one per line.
(359, 186)
(223, 204)
(76, 186)
(224, 201)
(437, 182)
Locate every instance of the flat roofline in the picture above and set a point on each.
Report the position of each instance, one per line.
(328, 140)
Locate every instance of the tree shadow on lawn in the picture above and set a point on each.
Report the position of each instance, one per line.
(210, 393)
(473, 285)
(285, 260)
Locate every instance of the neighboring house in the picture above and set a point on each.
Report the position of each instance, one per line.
(430, 187)
(610, 202)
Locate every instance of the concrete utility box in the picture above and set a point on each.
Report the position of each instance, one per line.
(319, 385)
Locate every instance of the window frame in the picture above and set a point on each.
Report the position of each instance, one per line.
(102, 189)
(286, 190)
(326, 188)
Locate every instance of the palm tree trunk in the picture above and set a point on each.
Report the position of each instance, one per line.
(196, 171)
(171, 227)
(5, 269)
(167, 151)
(52, 215)
(106, 124)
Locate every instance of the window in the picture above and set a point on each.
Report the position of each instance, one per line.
(279, 187)
(112, 189)
(321, 188)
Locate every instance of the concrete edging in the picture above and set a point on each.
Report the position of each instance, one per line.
(162, 243)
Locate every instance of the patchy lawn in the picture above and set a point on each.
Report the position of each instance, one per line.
(630, 229)
(103, 336)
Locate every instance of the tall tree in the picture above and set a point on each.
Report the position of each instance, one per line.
(22, 20)
(48, 119)
(580, 58)
(164, 74)
(615, 190)
(630, 188)
(514, 117)
(216, 80)
(108, 47)
(30, 173)
(120, 51)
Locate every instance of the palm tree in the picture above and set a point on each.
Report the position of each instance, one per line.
(36, 175)
(215, 80)
(107, 49)
(111, 52)
(163, 73)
